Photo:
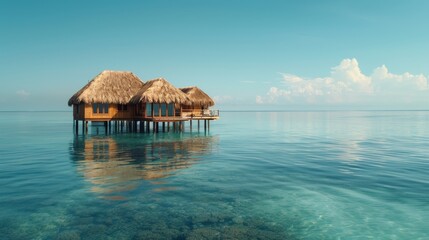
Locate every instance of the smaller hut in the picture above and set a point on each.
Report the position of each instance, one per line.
(199, 104)
(158, 100)
(106, 97)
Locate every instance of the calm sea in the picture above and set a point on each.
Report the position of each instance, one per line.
(255, 175)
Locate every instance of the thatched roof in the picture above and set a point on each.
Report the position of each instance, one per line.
(198, 96)
(160, 91)
(115, 87)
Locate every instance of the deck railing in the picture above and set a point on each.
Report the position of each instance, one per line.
(214, 113)
(200, 113)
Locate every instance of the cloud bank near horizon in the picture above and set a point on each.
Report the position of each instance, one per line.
(347, 85)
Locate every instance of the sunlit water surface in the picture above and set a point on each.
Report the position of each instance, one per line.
(255, 175)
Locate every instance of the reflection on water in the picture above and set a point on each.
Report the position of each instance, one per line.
(114, 165)
(291, 175)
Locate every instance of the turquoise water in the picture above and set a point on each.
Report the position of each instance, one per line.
(255, 175)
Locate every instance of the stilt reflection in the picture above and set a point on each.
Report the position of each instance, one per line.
(115, 165)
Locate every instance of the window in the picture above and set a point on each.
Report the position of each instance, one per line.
(149, 109)
(171, 109)
(100, 108)
(163, 109)
(122, 107)
(105, 108)
(156, 109)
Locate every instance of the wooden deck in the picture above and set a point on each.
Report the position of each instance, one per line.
(202, 118)
(163, 119)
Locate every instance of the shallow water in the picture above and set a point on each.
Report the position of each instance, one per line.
(266, 175)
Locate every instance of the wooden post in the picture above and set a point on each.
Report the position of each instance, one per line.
(208, 125)
(163, 126)
(205, 125)
(105, 127)
(147, 126)
(190, 125)
(77, 126)
(198, 125)
(168, 126)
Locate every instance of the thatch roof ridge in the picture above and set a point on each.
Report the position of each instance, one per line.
(198, 96)
(159, 90)
(108, 87)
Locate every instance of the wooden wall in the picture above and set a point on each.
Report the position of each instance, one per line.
(86, 113)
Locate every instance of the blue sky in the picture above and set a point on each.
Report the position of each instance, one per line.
(276, 55)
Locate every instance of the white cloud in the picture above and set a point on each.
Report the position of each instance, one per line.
(346, 84)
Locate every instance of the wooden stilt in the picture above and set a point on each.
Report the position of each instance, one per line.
(198, 125)
(208, 125)
(190, 125)
(163, 126)
(168, 127)
(77, 126)
(205, 125)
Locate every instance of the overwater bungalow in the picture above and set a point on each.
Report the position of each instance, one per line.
(199, 105)
(159, 101)
(121, 97)
(106, 97)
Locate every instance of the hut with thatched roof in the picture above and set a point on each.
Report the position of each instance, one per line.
(123, 98)
(106, 97)
(158, 100)
(199, 104)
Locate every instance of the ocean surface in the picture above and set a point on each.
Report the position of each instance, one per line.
(255, 175)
